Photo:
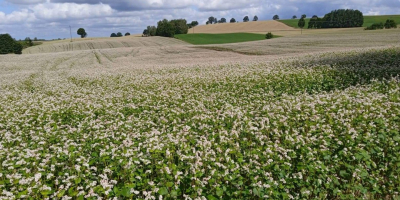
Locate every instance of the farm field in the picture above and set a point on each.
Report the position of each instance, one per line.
(240, 27)
(313, 116)
(101, 43)
(220, 38)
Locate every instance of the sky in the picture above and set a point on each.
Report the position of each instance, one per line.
(51, 19)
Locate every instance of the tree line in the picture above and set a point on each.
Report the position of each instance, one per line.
(214, 20)
(342, 18)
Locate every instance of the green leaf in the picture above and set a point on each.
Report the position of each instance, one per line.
(220, 192)
(61, 193)
(174, 193)
(169, 184)
(126, 192)
(256, 192)
(211, 197)
(163, 191)
(78, 180)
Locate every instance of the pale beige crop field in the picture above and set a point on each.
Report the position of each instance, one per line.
(313, 116)
(248, 27)
(102, 43)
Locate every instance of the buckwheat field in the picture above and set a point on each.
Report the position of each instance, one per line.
(176, 122)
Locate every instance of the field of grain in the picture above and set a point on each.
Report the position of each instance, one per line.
(102, 43)
(299, 117)
(241, 27)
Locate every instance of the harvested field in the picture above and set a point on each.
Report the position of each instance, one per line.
(242, 27)
(103, 43)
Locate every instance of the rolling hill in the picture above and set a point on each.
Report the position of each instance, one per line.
(241, 27)
(102, 43)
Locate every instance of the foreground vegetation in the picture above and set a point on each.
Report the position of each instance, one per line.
(320, 127)
(202, 38)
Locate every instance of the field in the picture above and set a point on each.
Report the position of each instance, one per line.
(368, 20)
(101, 43)
(312, 116)
(220, 38)
(240, 27)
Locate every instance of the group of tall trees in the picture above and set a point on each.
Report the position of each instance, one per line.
(9, 45)
(119, 34)
(213, 20)
(166, 28)
(150, 31)
(342, 18)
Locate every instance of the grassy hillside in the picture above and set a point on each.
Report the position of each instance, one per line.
(202, 38)
(368, 20)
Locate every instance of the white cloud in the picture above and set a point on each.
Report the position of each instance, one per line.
(55, 11)
(51, 18)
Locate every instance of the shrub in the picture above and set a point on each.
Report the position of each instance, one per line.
(390, 23)
(17, 48)
(375, 26)
(269, 35)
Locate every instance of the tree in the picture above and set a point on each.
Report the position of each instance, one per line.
(119, 34)
(113, 35)
(151, 30)
(233, 20)
(223, 20)
(342, 18)
(255, 18)
(165, 29)
(301, 24)
(246, 19)
(294, 17)
(9, 45)
(180, 26)
(35, 39)
(82, 32)
(17, 48)
(304, 16)
(194, 23)
(211, 20)
(28, 41)
(146, 32)
(390, 23)
(126, 34)
(215, 20)
(275, 17)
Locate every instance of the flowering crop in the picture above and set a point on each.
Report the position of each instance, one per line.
(320, 127)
